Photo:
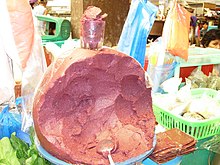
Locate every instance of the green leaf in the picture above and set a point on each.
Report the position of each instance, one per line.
(22, 161)
(19, 146)
(31, 160)
(7, 153)
(14, 151)
(32, 134)
(39, 160)
(4, 162)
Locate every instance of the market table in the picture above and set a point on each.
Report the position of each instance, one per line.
(204, 58)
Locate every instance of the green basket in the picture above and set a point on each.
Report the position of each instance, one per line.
(197, 129)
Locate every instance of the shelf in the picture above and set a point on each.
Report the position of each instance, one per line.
(211, 6)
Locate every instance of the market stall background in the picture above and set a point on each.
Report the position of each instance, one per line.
(112, 41)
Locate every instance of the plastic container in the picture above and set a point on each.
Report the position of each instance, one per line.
(58, 43)
(56, 161)
(60, 28)
(197, 129)
(175, 161)
(92, 34)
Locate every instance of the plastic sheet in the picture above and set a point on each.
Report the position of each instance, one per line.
(136, 29)
(176, 31)
(33, 72)
(7, 81)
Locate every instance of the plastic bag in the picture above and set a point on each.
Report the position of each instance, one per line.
(20, 44)
(161, 65)
(159, 74)
(8, 53)
(158, 55)
(176, 31)
(198, 79)
(136, 29)
(9, 122)
(66, 48)
(171, 85)
(20, 11)
(28, 47)
(213, 144)
(32, 74)
(216, 70)
(7, 81)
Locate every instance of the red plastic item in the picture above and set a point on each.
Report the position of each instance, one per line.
(145, 64)
(186, 71)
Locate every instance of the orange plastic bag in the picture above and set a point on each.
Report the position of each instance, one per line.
(176, 31)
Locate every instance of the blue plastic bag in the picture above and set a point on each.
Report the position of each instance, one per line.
(9, 122)
(136, 29)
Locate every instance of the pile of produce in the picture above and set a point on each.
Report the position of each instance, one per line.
(200, 80)
(14, 151)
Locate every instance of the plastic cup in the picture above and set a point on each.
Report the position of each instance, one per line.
(92, 34)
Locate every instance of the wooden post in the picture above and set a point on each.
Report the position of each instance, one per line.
(117, 12)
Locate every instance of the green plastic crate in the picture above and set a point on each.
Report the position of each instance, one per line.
(197, 129)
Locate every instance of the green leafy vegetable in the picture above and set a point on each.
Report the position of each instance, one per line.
(7, 153)
(14, 151)
(19, 146)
